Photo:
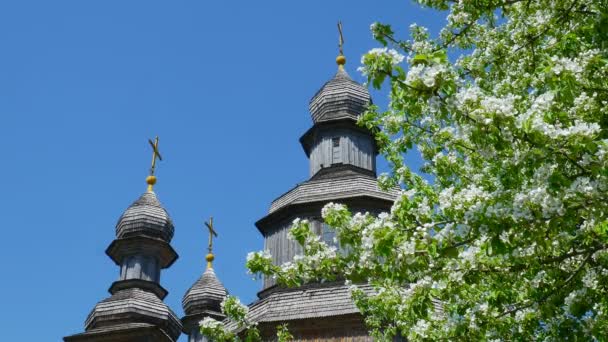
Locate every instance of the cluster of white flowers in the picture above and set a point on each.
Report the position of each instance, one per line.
(265, 254)
(535, 116)
(590, 279)
(420, 329)
(499, 106)
(443, 158)
(210, 323)
(445, 233)
(583, 104)
(602, 151)
(521, 315)
(330, 208)
(458, 18)
(428, 75)
(540, 196)
(468, 96)
(561, 64)
(538, 279)
(584, 186)
(373, 26)
(393, 122)
(288, 266)
(445, 198)
(358, 219)
(405, 250)
(329, 252)
(297, 222)
(468, 198)
(579, 128)
(394, 56)
(573, 298)
(233, 308)
(469, 255)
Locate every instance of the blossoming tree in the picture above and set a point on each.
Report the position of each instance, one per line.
(509, 241)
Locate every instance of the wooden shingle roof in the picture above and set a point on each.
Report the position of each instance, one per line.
(311, 301)
(333, 189)
(206, 294)
(131, 306)
(146, 216)
(339, 98)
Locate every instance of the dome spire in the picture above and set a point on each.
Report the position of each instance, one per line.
(340, 60)
(205, 296)
(151, 179)
(210, 257)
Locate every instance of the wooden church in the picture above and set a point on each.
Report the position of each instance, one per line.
(342, 169)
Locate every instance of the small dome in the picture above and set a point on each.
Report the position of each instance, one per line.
(146, 216)
(206, 294)
(339, 98)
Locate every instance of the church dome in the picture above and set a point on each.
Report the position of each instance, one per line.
(205, 295)
(339, 98)
(147, 217)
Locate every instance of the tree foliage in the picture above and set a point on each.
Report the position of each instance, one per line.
(509, 240)
(244, 330)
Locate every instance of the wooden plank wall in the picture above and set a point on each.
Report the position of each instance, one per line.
(140, 267)
(347, 328)
(355, 149)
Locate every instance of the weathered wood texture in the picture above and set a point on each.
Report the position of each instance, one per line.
(146, 216)
(339, 98)
(129, 332)
(333, 189)
(283, 249)
(140, 267)
(342, 146)
(306, 302)
(206, 294)
(133, 306)
(345, 328)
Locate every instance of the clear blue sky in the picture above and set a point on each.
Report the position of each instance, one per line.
(84, 84)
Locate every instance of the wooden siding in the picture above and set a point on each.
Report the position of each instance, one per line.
(281, 247)
(140, 267)
(355, 149)
(346, 328)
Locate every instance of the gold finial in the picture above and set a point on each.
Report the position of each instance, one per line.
(210, 257)
(151, 179)
(341, 60)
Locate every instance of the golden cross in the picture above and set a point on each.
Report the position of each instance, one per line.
(155, 154)
(212, 233)
(341, 41)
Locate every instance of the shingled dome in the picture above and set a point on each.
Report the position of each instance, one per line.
(147, 217)
(206, 294)
(339, 98)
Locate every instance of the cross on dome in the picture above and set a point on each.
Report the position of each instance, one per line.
(151, 179)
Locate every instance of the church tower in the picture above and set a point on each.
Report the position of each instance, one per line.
(342, 169)
(135, 311)
(204, 298)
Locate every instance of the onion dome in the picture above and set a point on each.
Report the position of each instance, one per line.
(205, 296)
(339, 98)
(145, 217)
(132, 307)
